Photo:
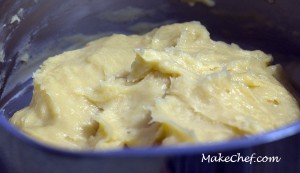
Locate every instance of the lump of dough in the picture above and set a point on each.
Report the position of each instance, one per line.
(173, 85)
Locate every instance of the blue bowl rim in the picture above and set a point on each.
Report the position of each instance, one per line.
(216, 147)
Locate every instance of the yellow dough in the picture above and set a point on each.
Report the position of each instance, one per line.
(173, 85)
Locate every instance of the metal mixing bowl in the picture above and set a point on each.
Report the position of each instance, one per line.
(31, 31)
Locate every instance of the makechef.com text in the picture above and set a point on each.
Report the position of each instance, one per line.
(239, 158)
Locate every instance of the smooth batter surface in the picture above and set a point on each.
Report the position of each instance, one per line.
(172, 85)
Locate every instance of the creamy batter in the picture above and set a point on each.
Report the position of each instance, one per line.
(173, 85)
